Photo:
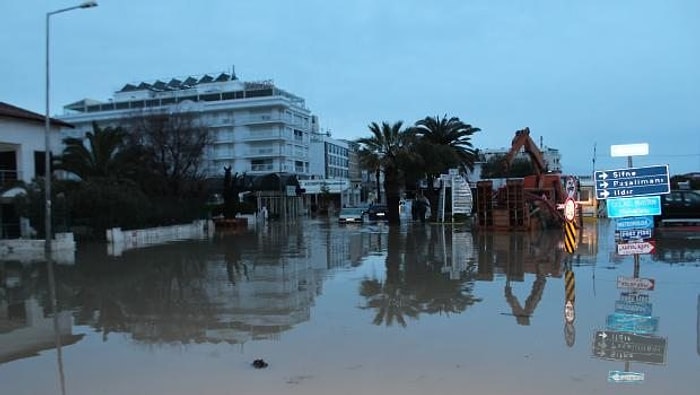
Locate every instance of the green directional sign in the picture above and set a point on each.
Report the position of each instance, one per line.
(641, 181)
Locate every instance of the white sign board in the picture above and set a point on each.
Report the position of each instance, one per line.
(646, 284)
(636, 247)
(629, 149)
(314, 187)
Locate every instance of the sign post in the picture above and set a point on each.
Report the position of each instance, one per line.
(632, 198)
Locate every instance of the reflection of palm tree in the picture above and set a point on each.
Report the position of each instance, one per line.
(415, 285)
(391, 301)
(438, 294)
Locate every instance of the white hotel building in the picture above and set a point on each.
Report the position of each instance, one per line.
(255, 127)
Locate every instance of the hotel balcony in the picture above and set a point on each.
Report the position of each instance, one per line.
(265, 135)
(263, 153)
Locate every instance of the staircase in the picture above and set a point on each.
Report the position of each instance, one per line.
(461, 195)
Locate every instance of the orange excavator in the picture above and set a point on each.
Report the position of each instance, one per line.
(543, 189)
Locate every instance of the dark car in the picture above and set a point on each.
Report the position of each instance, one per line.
(377, 212)
(679, 207)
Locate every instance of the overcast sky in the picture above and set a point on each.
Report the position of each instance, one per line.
(580, 74)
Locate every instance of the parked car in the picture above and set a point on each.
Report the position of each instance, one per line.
(679, 206)
(377, 212)
(351, 215)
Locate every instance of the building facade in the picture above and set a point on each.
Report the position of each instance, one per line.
(254, 127)
(332, 164)
(22, 159)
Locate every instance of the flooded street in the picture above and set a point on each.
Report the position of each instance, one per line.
(363, 309)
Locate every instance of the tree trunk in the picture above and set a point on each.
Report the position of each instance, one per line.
(392, 189)
(379, 186)
(432, 195)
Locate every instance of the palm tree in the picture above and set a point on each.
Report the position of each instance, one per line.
(100, 158)
(390, 145)
(451, 133)
(443, 143)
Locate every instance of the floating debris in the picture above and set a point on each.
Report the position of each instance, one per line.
(259, 364)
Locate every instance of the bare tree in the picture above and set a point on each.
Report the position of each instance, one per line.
(171, 144)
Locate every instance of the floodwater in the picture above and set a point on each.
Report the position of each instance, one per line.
(362, 309)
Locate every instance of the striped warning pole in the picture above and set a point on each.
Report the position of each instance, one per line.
(570, 286)
(569, 296)
(570, 242)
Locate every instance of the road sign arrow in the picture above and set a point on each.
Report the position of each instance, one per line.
(604, 184)
(603, 194)
(603, 175)
(625, 377)
(603, 335)
(636, 247)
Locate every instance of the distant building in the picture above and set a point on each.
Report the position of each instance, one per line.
(331, 166)
(551, 156)
(255, 127)
(329, 157)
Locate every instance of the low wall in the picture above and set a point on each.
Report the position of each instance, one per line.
(32, 250)
(119, 241)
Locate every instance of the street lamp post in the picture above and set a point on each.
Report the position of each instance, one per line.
(47, 132)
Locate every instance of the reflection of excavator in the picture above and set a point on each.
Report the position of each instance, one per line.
(523, 314)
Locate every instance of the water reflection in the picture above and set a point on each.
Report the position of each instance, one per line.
(513, 255)
(630, 334)
(241, 287)
(27, 326)
(238, 287)
(425, 274)
(249, 285)
(678, 250)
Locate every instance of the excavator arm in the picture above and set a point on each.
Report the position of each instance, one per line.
(523, 141)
